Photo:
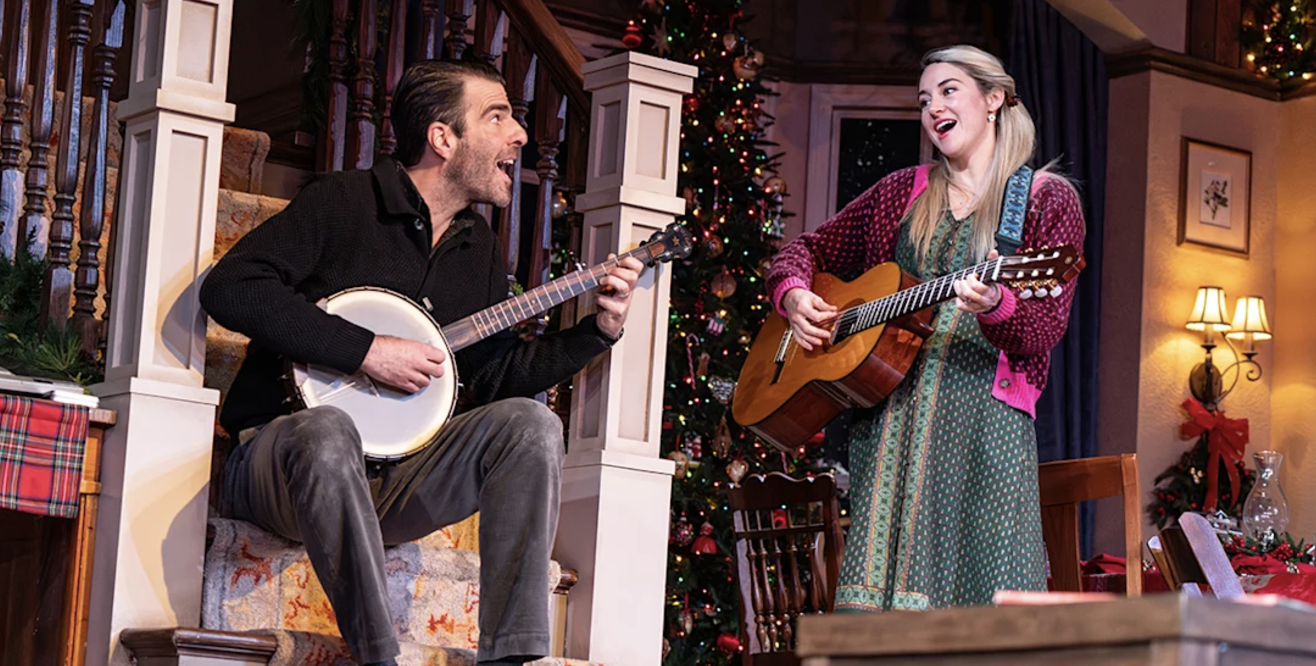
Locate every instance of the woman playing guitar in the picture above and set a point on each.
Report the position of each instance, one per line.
(944, 472)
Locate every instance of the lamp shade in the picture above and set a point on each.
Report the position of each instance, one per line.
(1210, 312)
(1250, 318)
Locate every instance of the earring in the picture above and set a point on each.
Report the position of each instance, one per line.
(991, 117)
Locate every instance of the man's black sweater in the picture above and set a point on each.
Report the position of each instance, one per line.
(370, 228)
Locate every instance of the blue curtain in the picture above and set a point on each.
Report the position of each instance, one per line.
(1061, 78)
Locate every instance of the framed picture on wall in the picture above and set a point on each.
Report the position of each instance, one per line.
(1215, 196)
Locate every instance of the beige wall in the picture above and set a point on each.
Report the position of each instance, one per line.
(1150, 281)
(1293, 372)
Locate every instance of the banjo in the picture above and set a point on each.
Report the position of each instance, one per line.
(393, 423)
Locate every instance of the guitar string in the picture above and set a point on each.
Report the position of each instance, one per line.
(905, 301)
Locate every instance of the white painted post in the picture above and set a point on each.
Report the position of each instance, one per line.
(152, 526)
(616, 491)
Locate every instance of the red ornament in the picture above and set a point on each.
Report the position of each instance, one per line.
(705, 545)
(728, 643)
(633, 36)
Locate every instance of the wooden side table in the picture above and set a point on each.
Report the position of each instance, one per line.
(45, 571)
(1155, 630)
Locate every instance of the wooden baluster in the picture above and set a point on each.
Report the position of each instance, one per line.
(393, 65)
(335, 131)
(795, 586)
(33, 221)
(769, 617)
(548, 134)
(783, 606)
(431, 30)
(488, 20)
(756, 569)
(57, 287)
(92, 218)
(458, 12)
(11, 129)
(361, 129)
(519, 73)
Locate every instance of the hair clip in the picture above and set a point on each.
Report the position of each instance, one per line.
(1011, 100)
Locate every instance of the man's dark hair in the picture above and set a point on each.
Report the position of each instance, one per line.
(432, 91)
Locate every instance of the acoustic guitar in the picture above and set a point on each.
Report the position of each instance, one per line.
(786, 394)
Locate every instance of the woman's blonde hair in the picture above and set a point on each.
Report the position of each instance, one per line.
(1015, 142)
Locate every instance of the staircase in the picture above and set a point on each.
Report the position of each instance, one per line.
(261, 602)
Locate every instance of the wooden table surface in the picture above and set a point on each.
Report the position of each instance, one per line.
(1167, 629)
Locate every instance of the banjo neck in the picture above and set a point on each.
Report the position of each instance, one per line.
(497, 318)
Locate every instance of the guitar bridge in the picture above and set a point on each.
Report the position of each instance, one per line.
(780, 358)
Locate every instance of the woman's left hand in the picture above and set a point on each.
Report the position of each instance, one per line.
(976, 297)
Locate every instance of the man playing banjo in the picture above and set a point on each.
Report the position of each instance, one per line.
(405, 225)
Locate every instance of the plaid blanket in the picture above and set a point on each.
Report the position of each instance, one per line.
(41, 445)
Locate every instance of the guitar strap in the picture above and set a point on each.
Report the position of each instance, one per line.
(1014, 205)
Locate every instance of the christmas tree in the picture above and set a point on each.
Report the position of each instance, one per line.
(1277, 38)
(734, 208)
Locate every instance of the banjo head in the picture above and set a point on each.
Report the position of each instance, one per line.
(392, 423)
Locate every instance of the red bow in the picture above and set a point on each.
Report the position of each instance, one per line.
(1225, 445)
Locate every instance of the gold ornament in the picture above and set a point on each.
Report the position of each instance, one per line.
(757, 57)
(713, 245)
(723, 124)
(765, 264)
(730, 40)
(724, 284)
(775, 185)
(682, 463)
(736, 470)
(745, 68)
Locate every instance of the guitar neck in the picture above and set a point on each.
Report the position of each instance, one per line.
(909, 301)
(497, 318)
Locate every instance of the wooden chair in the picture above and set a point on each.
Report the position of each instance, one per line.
(787, 538)
(1062, 486)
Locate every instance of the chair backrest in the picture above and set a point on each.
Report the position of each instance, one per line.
(1194, 555)
(1062, 485)
(787, 535)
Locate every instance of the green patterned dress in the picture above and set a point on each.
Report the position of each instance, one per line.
(943, 475)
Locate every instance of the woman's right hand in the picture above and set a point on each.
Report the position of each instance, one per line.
(804, 310)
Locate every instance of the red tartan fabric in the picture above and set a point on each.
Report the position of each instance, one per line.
(41, 444)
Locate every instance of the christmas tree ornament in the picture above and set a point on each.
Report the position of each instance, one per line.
(745, 338)
(717, 324)
(713, 246)
(723, 284)
(662, 44)
(775, 185)
(694, 446)
(703, 364)
(689, 195)
(632, 37)
(682, 533)
(651, 5)
(757, 57)
(765, 265)
(682, 463)
(730, 40)
(723, 124)
(736, 470)
(704, 544)
(687, 622)
(722, 438)
(722, 388)
(667, 648)
(745, 68)
(691, 106)
(728, 643)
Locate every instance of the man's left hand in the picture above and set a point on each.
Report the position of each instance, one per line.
(614, 299)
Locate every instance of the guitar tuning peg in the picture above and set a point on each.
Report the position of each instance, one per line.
(1056, 291)
(1026, 294)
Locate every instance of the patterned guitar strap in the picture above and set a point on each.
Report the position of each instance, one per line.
(1014, 207)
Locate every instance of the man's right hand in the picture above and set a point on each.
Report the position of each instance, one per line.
(404, 364)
